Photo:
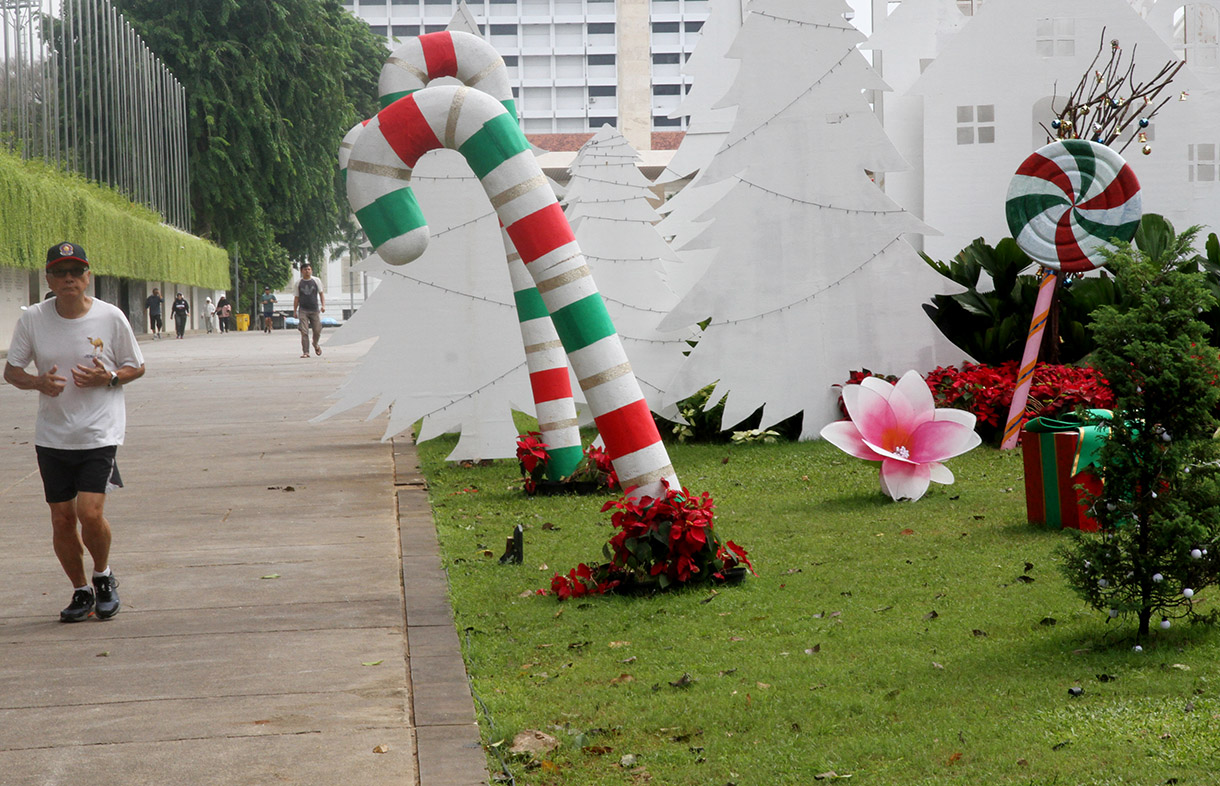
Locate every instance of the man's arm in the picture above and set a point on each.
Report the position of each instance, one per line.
(321, 299)
(49, 383)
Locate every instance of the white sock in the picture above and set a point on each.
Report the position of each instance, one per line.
(86, 587)
(105, 572)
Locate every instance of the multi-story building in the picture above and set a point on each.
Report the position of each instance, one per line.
(575, 65)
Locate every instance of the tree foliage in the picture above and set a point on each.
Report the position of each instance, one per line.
(990, 319)
(1159, 511)
(272, 86)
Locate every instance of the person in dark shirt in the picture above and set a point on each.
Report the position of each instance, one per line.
(307, 306)
(153, 306)
(181, 310)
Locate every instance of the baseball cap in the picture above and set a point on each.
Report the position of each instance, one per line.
(63, 251)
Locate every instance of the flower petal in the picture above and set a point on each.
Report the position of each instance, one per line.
(938, 440)
(846, 437)
(912, 401)
(887, 454)
(870, 411)
(967, 419)
(878, 385)
(904, 481)
(940, 473)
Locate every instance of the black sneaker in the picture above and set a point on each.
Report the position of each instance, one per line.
(80, 608)
(107, 596)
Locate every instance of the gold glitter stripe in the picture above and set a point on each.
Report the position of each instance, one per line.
(410, 68)
(558, 424)
(603, 377)
(560, 280)
(647, 477)
(514, 256)
(508, 195)
(380, 170)
(346, 145)
(486, 72)
(543, 347)
(455, 111)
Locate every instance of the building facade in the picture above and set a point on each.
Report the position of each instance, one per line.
(575, 65)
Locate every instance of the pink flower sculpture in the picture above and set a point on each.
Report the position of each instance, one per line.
(900, 426)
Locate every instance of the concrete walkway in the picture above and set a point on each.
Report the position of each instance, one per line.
(285, 617)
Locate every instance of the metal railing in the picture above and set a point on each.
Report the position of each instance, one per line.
(82, 91)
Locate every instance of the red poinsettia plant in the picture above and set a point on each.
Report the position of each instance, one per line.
(661, 543)
(532, 456)
(595, 467)
(987, 391)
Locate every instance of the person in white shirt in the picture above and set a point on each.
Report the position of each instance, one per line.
(81, 421)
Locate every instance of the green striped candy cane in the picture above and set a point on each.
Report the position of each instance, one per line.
(487, 135)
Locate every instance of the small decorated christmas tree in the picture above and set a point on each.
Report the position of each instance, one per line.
(1159, 544)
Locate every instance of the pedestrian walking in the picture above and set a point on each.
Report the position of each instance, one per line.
(307, 306)
(268, 300)
(182, 310)
(80, 424)
(152, 305)
(209, 313)
(223, 309)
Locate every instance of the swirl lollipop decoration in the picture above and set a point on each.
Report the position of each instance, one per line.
(1066, 205)
(1067, 202)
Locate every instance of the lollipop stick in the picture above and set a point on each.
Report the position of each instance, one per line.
(1016, 411)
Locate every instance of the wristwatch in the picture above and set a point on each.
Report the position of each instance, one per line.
(114, 379)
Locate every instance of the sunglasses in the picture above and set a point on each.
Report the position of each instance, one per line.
(75, 272)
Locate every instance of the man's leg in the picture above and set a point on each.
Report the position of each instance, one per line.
(94, 528)
(303, 326)
(315, 320)
(67, 541)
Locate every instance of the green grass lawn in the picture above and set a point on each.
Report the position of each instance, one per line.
(893, 642)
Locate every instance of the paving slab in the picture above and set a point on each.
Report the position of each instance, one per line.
(285, 615)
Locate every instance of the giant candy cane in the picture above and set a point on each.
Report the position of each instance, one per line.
(482, 130)
(473, 61)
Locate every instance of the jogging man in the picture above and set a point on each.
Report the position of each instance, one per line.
(81, 421)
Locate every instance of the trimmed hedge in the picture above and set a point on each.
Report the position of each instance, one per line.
(41, 205)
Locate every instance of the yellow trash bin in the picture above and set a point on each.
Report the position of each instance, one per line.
(243, 321)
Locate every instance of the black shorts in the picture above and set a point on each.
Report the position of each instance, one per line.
(65, 473)
(154, 321)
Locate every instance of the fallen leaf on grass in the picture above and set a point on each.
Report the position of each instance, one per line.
(727, 672)
(628, 660)
(979, 633)
(1025, 579)
(937, 665)
(627, 760)
(1029, 566)
(615, 644)
(1047, 621)
(381, 749)
(763, 685)
(373, 662)
(1061, 745)
(549, 526)
(907, 532)
(1180, 667)
(955, 758)
(931, 615)
(816, 648)
(620, 679)
(1106, 678)
(576, 645)
(830, 775)
(597, 750)
(736, 638)
(527, 593)
(682, 682)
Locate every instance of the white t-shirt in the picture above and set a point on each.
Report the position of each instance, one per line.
(78, 418)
